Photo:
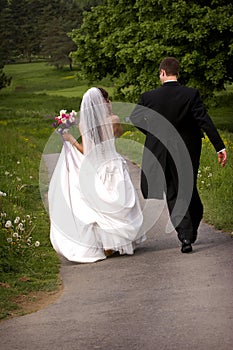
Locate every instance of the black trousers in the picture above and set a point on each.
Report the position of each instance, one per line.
(187, 227)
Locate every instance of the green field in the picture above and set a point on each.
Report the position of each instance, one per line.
(27, 108)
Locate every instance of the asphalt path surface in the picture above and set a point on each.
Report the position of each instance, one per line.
(156, 299)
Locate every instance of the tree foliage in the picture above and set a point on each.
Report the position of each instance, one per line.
(57, 45)
(25, 24)
(32, 28)
(4, 80)
(128, 39)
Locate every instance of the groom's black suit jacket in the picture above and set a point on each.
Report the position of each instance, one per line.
(183, 108)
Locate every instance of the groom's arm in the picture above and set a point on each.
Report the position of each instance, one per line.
(137, 117)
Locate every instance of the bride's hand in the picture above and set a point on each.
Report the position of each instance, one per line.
(68, 137)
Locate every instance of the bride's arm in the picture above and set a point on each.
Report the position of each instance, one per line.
(73, 141)
(116, 124)
(78, 145)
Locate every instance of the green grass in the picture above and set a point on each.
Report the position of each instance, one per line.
(27, 107)
(216, 185)
(221, 110)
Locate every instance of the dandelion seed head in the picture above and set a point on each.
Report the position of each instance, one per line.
(8, 224)
(20, 226)
(17, 219)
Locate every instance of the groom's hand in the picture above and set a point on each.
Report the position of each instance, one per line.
(222, 158)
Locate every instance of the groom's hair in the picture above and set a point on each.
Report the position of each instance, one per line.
(170, 65)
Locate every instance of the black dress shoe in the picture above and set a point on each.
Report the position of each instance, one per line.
(186, 246)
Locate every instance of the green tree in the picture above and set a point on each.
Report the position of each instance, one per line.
(5, 31)
(57, 46)
(86, 5)
(4, 49)
(128, 39)
(57, 20)
(25, 30)
(28, 20)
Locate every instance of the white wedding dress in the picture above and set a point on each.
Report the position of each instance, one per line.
(93, 205)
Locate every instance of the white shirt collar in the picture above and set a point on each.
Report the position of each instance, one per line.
(168, 81)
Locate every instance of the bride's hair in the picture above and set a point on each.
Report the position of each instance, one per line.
(95, 124)
(104, 93)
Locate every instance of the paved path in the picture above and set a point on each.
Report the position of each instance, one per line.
(158, 299)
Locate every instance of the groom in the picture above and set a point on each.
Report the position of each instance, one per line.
(183, 109)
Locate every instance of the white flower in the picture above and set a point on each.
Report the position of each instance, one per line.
(7, 173)
(62, 111)
(72, 119)
(8, 224)
(15, 235)
(2, 194)
(73, 114)
(18, 162)
(17, 219)
(210, 175)
(18, 178)
(64, 120)
(28, 217)
(37, 244)
(20, 226)
(9, 240)
(3, 215)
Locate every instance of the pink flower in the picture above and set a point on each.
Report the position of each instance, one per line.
(64, 120)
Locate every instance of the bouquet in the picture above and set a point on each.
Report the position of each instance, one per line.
(64, 121)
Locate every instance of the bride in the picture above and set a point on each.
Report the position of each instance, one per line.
(93, 206)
